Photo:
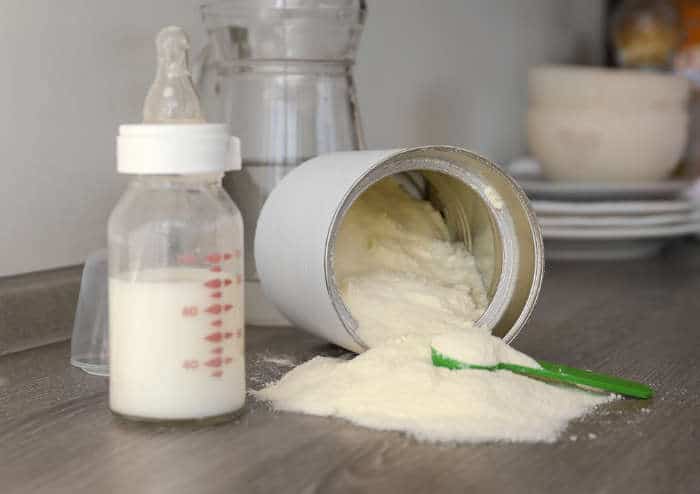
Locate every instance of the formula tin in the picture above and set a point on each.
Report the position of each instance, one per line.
(482, 206)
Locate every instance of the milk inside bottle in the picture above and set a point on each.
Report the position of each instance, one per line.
(175, 259)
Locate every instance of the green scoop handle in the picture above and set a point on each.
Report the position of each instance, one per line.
(556, 372)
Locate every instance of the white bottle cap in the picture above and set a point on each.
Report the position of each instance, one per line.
(174, 138)
(178, 149)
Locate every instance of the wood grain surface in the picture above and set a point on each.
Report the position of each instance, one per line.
(637, 319)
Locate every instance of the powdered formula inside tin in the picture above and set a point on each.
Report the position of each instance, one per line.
(398, 271)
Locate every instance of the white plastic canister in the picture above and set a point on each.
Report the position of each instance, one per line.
(482, 206)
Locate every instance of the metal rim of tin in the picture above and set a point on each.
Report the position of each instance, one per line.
(520, 253)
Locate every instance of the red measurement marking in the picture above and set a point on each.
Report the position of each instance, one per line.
(227, 282)
(187, 259)
(217, 373)
(215, 269)
(190, 364)
(239, 278)
(228, 336)
(237, 253)
(214, 309)
(217, 351)
(238, 333)
(214, 337)
(227, 256)
(190, 311)
(227, 307)
(228, 360)
(217, 323)
(214, 258)
(213, 284)
(215, 362)
(216, 295)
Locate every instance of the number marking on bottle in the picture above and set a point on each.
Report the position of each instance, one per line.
(187, 259)
(215, 284)
(214, 258)
(190, 311)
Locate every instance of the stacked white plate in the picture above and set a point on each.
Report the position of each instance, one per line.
(611, 221)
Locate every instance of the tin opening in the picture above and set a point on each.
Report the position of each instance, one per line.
(486, 213)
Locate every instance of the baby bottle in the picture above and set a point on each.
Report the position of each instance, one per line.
(175, 258)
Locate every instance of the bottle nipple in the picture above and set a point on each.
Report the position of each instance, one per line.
(172, 97)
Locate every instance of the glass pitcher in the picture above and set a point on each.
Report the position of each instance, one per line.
(279, 72)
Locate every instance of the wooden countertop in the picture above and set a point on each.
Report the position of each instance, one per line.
(636, 319)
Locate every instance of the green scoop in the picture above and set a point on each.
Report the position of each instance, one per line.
(555, 372)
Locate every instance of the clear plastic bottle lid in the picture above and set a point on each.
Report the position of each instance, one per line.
(90, 341)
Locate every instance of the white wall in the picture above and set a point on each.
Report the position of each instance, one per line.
(454, 71)
(447, 71)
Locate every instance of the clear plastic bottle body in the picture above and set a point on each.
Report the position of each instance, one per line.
(176, 300)
(281, 77)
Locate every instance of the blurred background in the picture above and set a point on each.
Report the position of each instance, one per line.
(449, 72)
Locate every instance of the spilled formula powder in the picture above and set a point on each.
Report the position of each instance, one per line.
(395, 387)
(281, 361)
(405, 282)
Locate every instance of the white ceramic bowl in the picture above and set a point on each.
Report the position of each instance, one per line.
(570, 86)
(604, 145)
